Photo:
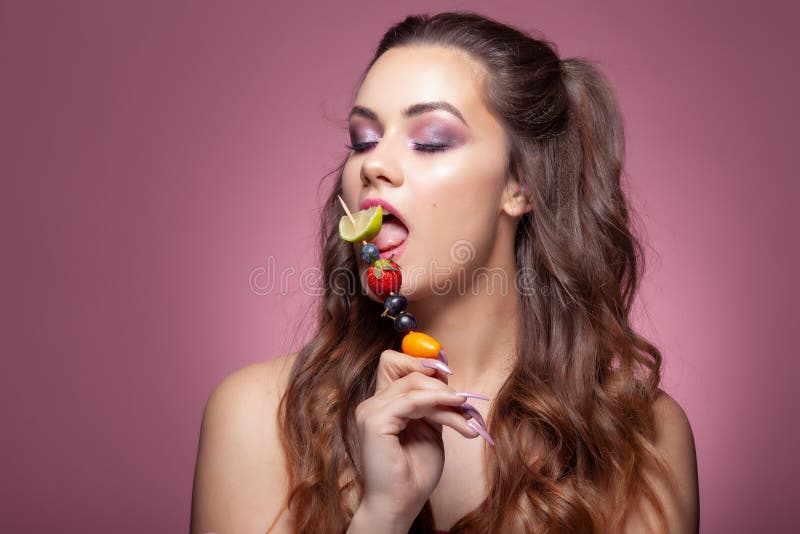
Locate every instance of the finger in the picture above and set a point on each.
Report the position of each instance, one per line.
(402, 386)
(456, 421)
(394, 412)
(441, 415)
(412, 381)
(394, 365)
(441, 368)
(469, 411)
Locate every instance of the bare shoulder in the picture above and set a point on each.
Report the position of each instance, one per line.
(240, 477)
(675, 441)
(263, 381)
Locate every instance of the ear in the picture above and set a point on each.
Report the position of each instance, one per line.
(515, 202)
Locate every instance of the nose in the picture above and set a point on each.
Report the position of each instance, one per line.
(380, 166)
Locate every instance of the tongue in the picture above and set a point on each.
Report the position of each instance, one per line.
(392, 234)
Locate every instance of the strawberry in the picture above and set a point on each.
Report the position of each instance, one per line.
(384, 277)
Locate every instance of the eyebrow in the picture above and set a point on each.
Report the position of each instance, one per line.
(411, 111)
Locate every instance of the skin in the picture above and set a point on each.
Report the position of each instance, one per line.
(458, 197)
(462, 193)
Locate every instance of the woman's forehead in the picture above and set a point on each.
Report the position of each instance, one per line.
(405, 76)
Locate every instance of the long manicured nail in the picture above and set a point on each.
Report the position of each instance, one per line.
(442, 356)
(436, 364)
(473, 395)
(477, 428)
(469, 412)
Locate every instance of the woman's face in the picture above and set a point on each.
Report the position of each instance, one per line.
(450, 199)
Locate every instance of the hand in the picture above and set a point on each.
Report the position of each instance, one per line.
(400, 436)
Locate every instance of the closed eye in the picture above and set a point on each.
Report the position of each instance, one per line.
(420, 147)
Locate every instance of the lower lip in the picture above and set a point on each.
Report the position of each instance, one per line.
(397, 251)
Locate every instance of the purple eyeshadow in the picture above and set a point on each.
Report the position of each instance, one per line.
(433, 131)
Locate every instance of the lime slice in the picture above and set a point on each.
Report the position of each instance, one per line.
(367, 226)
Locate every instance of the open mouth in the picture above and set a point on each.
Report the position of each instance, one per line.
(392, 238)
(393, 252)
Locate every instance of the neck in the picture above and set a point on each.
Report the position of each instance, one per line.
(478, 323)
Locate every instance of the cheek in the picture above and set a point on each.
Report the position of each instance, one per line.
(461, 201)
(461, 190)
(457, 229)
(472, 170)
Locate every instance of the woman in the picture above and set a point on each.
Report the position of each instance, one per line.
(502, 165)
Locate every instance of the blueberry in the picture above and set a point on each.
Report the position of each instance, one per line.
(395, 304)
(405, 322)
(370, 253)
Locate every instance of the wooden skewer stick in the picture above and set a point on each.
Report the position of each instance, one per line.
(347, 211)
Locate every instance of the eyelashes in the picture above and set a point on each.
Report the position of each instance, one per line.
(420, 147)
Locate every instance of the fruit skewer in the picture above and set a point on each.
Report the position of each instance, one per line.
(384, 278)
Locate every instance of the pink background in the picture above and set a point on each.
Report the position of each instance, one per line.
(156, 154)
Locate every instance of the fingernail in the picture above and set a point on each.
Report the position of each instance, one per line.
(470, 412)
(442, 356)
(436, 364)
(477, 428)
(473, 395)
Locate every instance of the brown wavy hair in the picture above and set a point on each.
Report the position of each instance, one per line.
(573, 423)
